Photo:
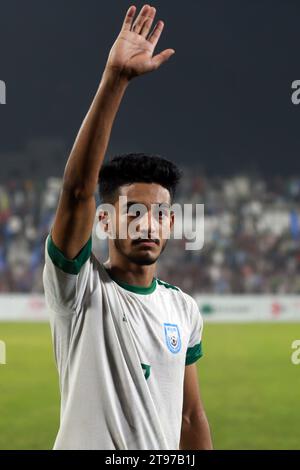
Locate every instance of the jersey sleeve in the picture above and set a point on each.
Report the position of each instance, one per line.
(194, 350)
(65, 279)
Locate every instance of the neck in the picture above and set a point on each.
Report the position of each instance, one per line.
(131, 273)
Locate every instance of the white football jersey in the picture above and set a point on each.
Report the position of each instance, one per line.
(121, 352)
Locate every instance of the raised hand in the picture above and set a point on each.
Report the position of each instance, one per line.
(132, 52)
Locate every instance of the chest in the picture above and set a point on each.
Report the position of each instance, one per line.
(160, 330)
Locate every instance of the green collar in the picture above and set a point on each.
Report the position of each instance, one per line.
(135, 289)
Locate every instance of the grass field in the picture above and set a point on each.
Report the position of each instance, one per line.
(250, 388)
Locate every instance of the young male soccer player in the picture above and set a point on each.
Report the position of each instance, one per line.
(125, 342)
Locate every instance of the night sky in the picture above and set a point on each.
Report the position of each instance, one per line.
(223, 101)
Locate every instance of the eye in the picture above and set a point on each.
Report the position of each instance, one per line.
(163, 212)
(133, 213)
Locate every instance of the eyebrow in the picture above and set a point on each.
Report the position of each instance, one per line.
(131, 203)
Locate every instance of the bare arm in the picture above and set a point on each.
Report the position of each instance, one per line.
(195, 432)
(130, 56)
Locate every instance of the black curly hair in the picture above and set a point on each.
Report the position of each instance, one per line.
(137, 168)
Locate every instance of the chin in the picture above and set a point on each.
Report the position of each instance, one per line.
(145, 260)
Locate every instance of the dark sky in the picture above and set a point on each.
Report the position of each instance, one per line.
(222, 101)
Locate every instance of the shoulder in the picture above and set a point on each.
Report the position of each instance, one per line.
(54, 256)
(84, 261)
(193, 309)
(176, 293)
(165, 285)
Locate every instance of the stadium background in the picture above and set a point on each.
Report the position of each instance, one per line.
(221, 108)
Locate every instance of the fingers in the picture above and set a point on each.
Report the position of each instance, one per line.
(148, 22)
(155, 35)
(142, 25)
(162, 57)
(128, 18)
(140, 20)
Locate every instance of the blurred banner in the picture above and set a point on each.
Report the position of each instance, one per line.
(226, 308)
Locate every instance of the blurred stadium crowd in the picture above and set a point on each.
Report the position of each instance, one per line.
(252, 235)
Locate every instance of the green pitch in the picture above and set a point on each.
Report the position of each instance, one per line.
(250, 388)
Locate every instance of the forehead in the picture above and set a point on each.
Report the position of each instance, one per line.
(145, 193)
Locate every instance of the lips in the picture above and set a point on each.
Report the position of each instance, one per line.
(146, 241)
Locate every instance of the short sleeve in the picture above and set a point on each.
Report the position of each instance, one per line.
(65, 279)
(194, 350)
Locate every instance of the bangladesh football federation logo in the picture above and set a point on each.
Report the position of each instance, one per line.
(172, 336)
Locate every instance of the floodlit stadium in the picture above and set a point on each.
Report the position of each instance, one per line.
(144, 342)
(250, 308)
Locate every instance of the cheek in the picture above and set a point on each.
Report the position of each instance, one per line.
(122, 245)
(121, 225)
(165, 228)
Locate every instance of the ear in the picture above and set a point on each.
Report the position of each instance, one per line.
(172, 219)
(103, 220)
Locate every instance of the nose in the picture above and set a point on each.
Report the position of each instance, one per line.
(148, 225)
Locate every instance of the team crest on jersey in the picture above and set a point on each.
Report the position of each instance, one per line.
(172, 337)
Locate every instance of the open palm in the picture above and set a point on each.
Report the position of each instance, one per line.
(132, 52)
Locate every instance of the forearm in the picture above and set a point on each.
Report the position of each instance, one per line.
(195, 434)
(131, 55)
(86, 157)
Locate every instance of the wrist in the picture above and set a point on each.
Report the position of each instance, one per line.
(115, 76)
